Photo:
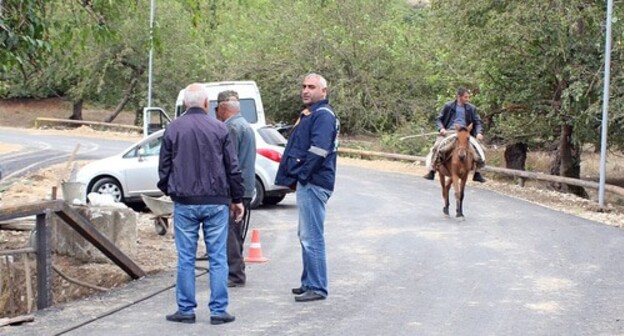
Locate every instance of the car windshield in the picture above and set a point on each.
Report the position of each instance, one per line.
(272, 136)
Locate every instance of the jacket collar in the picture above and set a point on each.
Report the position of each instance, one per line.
(466, 106)
(194, 110)
(232, 117)
(318, 104)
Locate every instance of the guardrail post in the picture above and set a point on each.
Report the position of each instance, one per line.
(44, 263)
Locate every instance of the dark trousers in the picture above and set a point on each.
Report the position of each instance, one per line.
(235, 242)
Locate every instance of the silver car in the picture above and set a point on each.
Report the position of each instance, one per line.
(133, 172)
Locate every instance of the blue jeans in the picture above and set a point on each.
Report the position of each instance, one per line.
(187, 220)
(311, 200)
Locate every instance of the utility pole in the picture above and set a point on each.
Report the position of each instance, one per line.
(151, 55)
(605, 108)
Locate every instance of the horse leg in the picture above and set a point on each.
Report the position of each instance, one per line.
(460, 199)
(445, 194)
(447, 187)
(458, 195)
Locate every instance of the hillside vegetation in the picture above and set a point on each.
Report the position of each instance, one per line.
(535, 67)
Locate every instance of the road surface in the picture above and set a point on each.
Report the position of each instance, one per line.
(40, 150)
(397, 266)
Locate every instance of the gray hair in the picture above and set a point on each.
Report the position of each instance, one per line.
(195, 95)
(232, 105)
(321, 79)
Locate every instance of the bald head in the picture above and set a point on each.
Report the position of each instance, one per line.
(196, 95)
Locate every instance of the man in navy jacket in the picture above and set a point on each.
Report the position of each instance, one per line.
(199, 170)
(309, 165)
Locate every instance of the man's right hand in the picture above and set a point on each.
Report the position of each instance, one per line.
(443, 131)
(236, 211)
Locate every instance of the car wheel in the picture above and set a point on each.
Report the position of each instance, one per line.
(108, 185)
(272, 200)
(258, 196)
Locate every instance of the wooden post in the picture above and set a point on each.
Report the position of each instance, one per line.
(29, 293)
(44, 264)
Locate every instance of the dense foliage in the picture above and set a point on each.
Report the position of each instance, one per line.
(536, 67)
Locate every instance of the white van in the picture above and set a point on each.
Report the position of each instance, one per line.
(155, 118)
(270, 144)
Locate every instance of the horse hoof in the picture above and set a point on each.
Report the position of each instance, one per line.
(460, 218)
(446, 212)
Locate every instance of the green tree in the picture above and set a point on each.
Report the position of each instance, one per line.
(536, 65)
(22, 33)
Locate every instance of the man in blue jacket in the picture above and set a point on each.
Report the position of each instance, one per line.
(309, 166)
(199, 169)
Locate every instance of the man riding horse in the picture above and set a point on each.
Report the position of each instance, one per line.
(462, 113)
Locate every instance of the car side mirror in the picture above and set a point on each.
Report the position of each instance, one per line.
(140, 151)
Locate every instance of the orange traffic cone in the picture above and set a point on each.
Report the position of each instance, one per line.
(255, 250)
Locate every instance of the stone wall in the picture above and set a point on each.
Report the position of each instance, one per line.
(119, 225)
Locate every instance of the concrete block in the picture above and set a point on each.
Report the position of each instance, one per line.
(119, 225)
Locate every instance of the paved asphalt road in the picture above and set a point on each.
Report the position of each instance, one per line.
(397, 266)
(42, 150)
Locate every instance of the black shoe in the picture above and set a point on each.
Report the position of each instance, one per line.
(235, 284)
(298, 290)
(430, 175)
(309, 296)
(177, 317)
(477, 177)
(225, 318)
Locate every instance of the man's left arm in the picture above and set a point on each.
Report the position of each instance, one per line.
(478, 124)
(323, 134)
(232, 171)
(164, 164)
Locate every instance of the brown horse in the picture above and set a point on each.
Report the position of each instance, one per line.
(456, 168)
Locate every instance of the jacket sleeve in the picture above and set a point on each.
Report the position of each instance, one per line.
(440, 118)
(235, 137)
(478, 124)
(164, 164)
(322, 137)
(232, 170)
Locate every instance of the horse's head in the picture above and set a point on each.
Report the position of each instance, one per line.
(463, 141)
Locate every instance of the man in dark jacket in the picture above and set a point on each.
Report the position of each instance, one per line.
(462, 113)
(199, 169)
(244, 140)
(309, 165)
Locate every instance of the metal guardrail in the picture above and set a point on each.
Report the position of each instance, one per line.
(503, 171)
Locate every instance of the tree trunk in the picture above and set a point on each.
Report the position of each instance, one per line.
(515, 156)
(138, 116)
(567, 162)
(76, 110)
(123, 101)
